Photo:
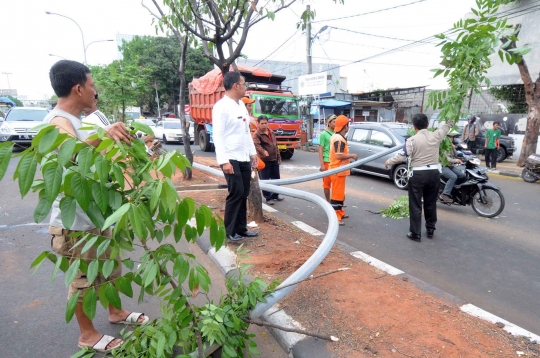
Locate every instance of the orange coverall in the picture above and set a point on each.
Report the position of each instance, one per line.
(338, 144)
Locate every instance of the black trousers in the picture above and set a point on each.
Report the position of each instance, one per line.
(491, 158)
(470, 145)
(236, 203)
(270, 171)
(423, 184)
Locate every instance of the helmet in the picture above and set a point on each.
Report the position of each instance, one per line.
(453, 133)
(472, 118)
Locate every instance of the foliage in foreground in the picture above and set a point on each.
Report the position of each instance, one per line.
(119, 187)
(399, 209)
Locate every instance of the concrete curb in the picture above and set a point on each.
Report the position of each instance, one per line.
(300, 346)
(507, 174)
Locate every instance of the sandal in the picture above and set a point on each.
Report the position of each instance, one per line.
(101, 345)
(341, 223)
(345, 217)
(133, 319)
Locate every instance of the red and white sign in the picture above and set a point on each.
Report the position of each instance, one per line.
(187, 109)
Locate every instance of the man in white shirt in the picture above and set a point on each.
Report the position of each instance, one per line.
(235, 153)
(94, 117)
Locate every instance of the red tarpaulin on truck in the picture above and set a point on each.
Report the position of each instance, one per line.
(210, 82)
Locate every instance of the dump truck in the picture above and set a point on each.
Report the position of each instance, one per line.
(271, 99)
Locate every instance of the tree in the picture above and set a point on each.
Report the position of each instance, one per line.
(16, 101)
(161, 55)
(120, 85)
(514, 95)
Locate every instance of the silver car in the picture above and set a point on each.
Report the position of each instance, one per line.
(368, 138)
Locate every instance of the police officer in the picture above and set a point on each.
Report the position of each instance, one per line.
(422, 151)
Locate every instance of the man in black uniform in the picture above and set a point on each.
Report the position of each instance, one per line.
(422, 151)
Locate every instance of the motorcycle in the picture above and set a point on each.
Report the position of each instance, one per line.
(531, 172)
(485, 198)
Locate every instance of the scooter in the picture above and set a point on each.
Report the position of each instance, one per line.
(531, 172)
(485, 198)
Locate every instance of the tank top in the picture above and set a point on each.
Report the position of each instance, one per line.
(82, 222)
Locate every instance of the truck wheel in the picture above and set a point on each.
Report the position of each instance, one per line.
(287, 153)
(204, 141)
(501, 154)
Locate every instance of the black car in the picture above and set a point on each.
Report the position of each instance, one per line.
(507, 144)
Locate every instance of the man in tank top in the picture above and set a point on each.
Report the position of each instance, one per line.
(75, 89)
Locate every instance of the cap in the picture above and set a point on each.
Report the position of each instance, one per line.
(247, 100)
(331, 118)
(341, 121)
(453, 133)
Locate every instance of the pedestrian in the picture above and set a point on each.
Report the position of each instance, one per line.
(94, 116)
(339, 156)
(249, 103)
(450, 172)
(470, 132)
(267, 150)
(324, 153)
(491, 146)
(75, 89)
(235, 153)
(422, 151)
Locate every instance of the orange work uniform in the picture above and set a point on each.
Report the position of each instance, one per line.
(338, 145)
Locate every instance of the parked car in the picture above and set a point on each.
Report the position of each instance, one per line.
(368, 138)
(18, 123)
(507, 144)
(149, 123)
(170, 130)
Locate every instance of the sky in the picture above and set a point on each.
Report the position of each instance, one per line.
(30, 36)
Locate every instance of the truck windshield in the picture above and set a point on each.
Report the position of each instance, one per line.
(275, 106)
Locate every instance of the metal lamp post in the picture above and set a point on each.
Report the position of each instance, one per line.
(82, 34)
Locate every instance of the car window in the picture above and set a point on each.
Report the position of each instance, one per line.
(360, 135)
(171, 125)
(36, 115)
(378, 138)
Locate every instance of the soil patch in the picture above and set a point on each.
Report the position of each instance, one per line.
(372, 313)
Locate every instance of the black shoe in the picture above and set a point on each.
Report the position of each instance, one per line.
(447, 199)
(270, 201)
(430, 233)
(234, 238)
(279, 199)
(248, 233)
(414, 237)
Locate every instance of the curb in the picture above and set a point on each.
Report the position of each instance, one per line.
(508, 174)
(300, 346)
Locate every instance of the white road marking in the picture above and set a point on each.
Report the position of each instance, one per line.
(268, 208)
(305, 227)
(508, 327)
(391, 270)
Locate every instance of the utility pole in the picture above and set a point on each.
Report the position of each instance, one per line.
(309, 70)
(7, 76)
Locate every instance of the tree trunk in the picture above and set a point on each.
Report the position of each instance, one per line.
(530, 140)
(255, 200)
(188, 174)
(123, 108)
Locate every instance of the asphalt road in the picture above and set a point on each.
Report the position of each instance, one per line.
(491, 263)
(32, 308)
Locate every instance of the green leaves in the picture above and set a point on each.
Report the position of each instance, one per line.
(101, 196)
(102, 168)
(6, 148)
(47, 142)
(71, 305)
(42, 209)
(66, 151)
(89, 303)
(68, 205)
(149, 274)
(72, 271)
(124, 285)
(108, 267)
(81, 190)
(52, 176)
(112, 295)
(116, 216)
(26, 170)
(84, 160)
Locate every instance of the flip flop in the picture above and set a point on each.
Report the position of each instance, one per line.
(101, 345)
(133, 319)
(345, 217)
(341, 223)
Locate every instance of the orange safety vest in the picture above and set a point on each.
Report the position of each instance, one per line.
(338, 144)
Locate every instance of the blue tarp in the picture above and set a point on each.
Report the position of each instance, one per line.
(7, 100)
(331, 103)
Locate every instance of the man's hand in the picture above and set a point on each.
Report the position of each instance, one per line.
(279, 161)
(386, 164)
(118, 131)
(265, 153)
(459, 161)
(354, 157)
(254, 161)
(322, 168)
(228, 168)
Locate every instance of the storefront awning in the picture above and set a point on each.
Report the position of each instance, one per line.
(331, 103)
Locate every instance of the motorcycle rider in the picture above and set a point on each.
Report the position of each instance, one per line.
(450, 172)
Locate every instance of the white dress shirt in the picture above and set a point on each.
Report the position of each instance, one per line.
(231, 132)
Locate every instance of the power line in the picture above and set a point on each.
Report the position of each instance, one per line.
(382, 48)
(507, 14)
(280, 46)
(366, 34)
(375, 63)
(370, 12)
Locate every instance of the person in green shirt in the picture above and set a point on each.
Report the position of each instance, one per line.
(324, 152)
(492, 145)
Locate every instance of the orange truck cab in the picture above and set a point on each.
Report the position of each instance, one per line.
(271, 99)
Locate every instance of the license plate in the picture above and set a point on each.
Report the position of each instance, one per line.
(282, 146)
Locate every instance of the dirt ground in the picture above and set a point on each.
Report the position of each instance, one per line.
(372, 313)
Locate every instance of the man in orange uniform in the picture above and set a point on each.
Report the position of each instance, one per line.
(339, 156)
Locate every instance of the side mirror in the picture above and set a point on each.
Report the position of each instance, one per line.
(388, 144)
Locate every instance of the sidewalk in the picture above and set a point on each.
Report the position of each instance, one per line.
(508, 167)
(33, 309)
